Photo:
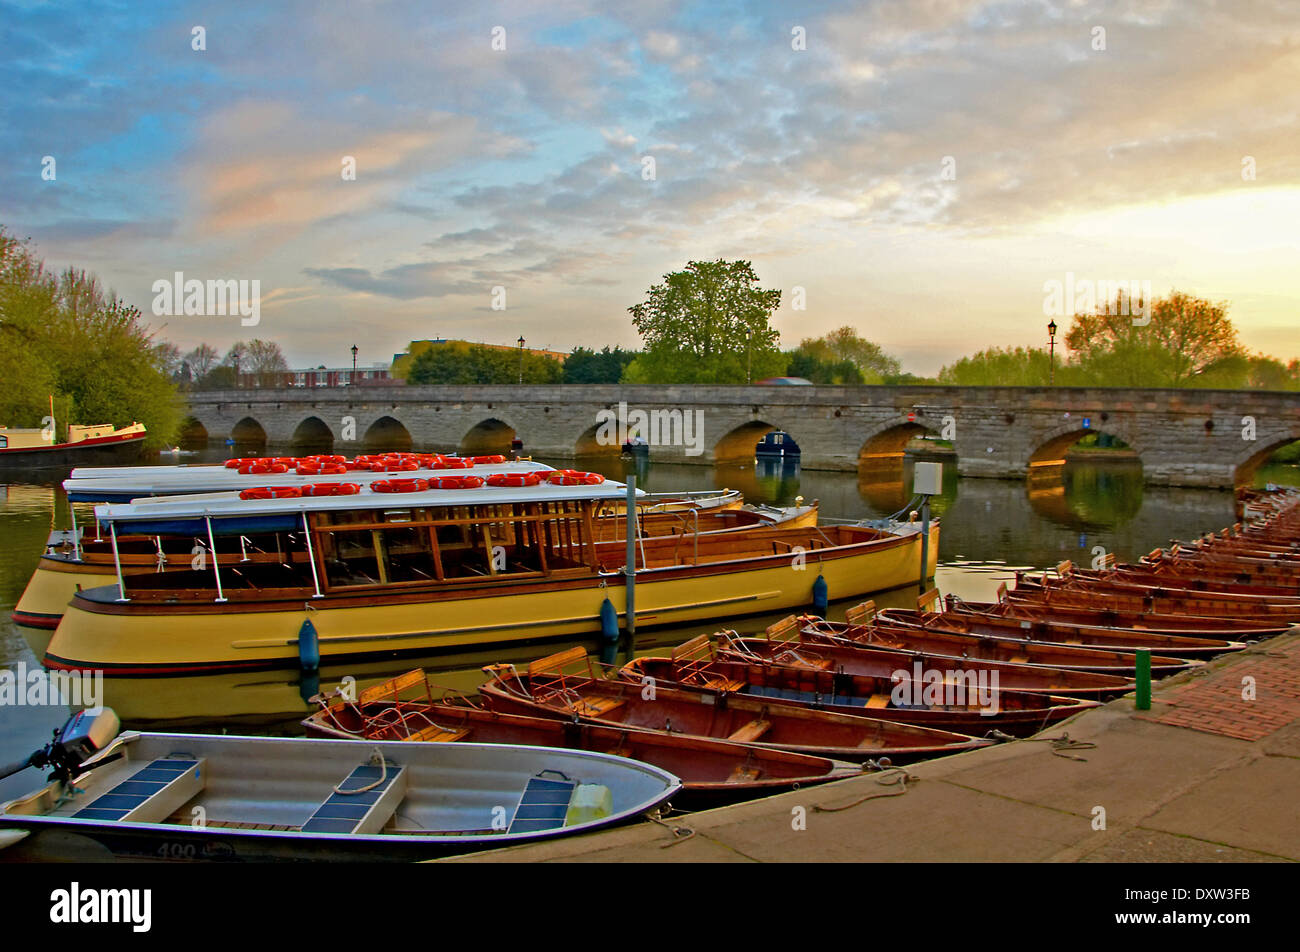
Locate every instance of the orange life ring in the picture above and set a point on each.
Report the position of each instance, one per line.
(453, 462)
(261, 492)
(455, 482)
(308, 469)
(285, 461)
(236, 463)
(487, 460)
(399, 485)
(255, 468)
(573, 477)
(331, 489)
(333, 469)
(514, 479)
(278, 468)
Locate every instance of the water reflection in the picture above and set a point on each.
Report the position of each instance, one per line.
(1083, 496)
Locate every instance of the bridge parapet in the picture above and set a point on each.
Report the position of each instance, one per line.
(1183, 437)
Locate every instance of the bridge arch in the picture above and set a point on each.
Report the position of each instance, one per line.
(192, 432)
(588, 443)
(1050, 447)
(1244, 472)
(313, 433)
(248, 432)
(490, 437)
(737, 445)
(387, 434)
(891, 442)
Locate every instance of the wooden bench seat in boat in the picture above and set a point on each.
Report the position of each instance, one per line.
(361, 813)
(151, 794)
(438, 734)
(751, 731)
(597, 706)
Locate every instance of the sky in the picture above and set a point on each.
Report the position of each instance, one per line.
(920, 170)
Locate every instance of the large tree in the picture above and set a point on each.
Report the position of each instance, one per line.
(201, 360)
(66, 337)
(1183, 343)
(709, 323)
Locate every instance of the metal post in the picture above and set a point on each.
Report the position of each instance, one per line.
(121, 586)
(630, 568)
(76, 537)
(925, 543)
(1144, 679)
(212, 550)
(311, 557)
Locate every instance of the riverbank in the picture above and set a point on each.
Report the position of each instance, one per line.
(1206, 775)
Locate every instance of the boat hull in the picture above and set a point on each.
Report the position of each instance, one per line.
(104, 450)
(139, 638)
(258, 793)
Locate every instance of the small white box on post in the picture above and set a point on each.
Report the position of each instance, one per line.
(927, 479)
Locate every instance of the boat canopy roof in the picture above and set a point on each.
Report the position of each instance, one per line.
(230, 515)
(124, 483)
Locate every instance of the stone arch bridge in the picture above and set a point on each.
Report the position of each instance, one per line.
(1212, 438)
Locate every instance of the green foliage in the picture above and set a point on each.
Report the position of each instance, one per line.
(709, 323)
(806, 365)
(1009, 367)
(67, 337)
(844, 346)
(460, 362)
(587, 366)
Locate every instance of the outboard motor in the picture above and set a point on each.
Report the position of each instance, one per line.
(85, 734)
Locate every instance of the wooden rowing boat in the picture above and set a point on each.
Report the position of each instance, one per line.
(549, 688)
(1197, 636)
(927, 633)
(713, 772)
(1164, 600)
(964, 705)
(962, 619)
(873, 662)
(223, 797)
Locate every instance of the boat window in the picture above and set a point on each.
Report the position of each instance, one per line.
(452, 543)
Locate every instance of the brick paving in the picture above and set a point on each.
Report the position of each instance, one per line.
(1217, 703)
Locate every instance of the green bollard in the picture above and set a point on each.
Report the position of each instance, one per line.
(1144, 679)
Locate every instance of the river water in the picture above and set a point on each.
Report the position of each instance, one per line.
(989, 529)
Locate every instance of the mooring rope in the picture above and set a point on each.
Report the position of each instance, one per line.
(889, 777)
(680, 833)
(1059, 744)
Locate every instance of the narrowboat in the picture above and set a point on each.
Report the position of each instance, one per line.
(28, 449)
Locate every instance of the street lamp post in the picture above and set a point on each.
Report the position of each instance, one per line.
(749, 357)
(1051, 353)
(354, 364)
(521, 360)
